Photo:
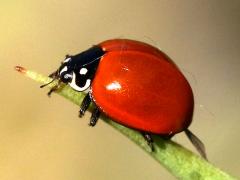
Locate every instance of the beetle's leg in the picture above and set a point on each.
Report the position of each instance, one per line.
(54, 88)
(95, 115)
(149, 139)
(197, 143)
(54, 77)
(167, 137)
(85, 104)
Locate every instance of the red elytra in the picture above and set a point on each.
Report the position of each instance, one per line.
(135, 84)
(138, 86)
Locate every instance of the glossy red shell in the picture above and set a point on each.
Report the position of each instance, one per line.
(138, 86)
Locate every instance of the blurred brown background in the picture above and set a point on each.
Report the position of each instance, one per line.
(43, 138)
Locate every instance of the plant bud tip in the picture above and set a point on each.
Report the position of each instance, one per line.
(20, 69)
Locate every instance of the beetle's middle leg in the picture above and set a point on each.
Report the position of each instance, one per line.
(85, 104)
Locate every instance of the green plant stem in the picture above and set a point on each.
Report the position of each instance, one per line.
(179, 161)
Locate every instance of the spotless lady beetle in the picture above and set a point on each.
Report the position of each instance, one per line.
(135, 84)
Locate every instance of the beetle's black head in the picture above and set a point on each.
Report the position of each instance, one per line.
(65, 71)
(62, 74)
(78, 75)
(78, 71)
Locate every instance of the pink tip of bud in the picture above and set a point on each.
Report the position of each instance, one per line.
(20, 69)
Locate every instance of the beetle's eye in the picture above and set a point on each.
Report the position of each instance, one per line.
(66, 78)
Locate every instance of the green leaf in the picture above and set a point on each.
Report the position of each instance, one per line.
(179, 161)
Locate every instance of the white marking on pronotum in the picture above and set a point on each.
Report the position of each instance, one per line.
(83, 71)
(114, 86)
(66, 60)
(76, 87)
(63, 70)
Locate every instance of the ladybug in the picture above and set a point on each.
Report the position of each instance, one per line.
(135, 84)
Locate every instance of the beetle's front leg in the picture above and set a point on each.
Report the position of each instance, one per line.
(54, 88)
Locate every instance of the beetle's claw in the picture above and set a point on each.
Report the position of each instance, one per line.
(49, 93)
(81, 113)
(95, 116)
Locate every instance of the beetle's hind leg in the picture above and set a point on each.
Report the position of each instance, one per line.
(197, 143)
(149, 139)
(167, 137)
(85, 104)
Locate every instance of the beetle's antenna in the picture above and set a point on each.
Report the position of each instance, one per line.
(52, 75)
(42, 86)
(197, 143)
(54, 88)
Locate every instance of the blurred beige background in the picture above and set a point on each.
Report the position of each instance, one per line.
(43, 138)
